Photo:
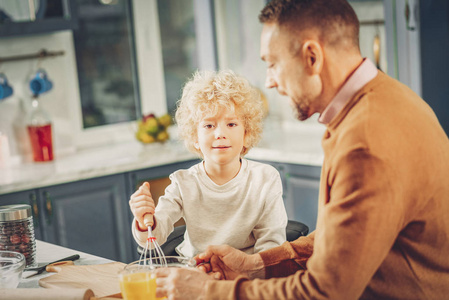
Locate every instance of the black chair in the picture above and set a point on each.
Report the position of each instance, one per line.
(294, 230)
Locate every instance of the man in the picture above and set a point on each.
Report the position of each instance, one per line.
(382, 230)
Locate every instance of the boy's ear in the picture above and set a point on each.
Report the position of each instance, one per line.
(245, 141)
(196, 145)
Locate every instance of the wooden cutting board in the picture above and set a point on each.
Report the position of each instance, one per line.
(101, 279)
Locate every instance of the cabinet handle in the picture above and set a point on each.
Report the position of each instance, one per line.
(408, 14)
(35, 208)
(49, 207)
(32, 10)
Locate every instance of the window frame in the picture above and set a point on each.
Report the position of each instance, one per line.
(150, 82)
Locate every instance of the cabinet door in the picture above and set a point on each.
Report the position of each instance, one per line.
(301, 201)
(301, 195)
(89, 216)
(26, 197)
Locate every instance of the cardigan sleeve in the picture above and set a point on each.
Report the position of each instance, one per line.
(288, 258)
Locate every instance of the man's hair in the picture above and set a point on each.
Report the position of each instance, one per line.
(206, 93)
(335, 20)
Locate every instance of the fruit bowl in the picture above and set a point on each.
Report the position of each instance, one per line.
(152, 129)
(12, 265)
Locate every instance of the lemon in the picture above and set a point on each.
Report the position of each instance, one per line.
(165, 120)
(162, 136)
(145, 137)
(151, 126)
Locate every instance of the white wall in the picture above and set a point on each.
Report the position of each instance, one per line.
(61, 102)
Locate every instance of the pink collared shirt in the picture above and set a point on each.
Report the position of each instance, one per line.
(364, 74)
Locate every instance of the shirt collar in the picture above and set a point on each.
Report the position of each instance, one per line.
(361, 76)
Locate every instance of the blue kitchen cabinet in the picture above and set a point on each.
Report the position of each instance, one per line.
(26, 197)
(301, 188)
(301, 194)
(89, 216)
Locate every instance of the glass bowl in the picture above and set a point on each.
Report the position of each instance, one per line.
(12, 265)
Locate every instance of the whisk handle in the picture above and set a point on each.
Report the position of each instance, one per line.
(148, 220)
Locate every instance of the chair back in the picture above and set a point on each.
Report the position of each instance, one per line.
(295, 230)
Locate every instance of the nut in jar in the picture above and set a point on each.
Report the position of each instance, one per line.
(17, 231)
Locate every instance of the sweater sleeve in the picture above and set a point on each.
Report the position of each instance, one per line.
(168, 211)
(269, 232)
(356, 230)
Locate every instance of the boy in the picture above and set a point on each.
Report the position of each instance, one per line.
(225, 199)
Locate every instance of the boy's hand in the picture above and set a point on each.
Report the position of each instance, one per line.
(141, 203)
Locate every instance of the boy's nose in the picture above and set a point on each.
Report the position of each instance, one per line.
(219, 133)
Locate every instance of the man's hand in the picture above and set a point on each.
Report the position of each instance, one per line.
(230, 263)
(181, 283)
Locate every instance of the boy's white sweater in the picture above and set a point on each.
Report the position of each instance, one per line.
(246, 213)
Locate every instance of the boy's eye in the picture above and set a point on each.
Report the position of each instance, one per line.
(207, 126)
(232, 124)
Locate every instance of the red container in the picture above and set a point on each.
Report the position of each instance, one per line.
(41, 142)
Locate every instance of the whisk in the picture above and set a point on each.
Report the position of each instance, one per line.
(156, 256)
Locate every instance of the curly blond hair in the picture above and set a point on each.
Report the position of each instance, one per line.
(206, 93)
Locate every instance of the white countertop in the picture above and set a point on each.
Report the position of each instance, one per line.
(47, 253)
(284, 143)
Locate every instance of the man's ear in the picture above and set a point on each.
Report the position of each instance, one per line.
(313, 55)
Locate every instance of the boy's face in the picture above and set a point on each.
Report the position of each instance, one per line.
(221, 138)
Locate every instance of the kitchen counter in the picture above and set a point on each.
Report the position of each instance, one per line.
(46, 253)
(286, 143)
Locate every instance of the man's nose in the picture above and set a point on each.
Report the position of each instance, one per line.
(269, 81)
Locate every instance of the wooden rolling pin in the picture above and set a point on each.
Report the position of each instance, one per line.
(46, 294)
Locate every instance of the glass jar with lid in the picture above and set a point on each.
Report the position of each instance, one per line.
(17, 231)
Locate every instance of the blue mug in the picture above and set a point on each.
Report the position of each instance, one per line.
(5, 89)
(40, 83)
